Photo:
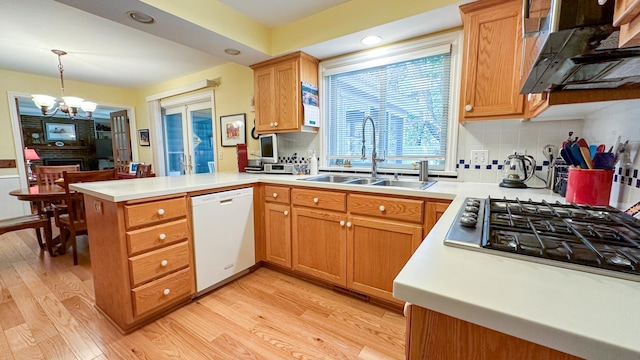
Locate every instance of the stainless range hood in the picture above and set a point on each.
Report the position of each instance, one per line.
(580, 52)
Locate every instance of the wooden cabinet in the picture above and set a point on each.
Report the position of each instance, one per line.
(491, 68)
(141, 257)
(376, 252)
(320, 244)
(433, 212)
(277, 225)
(278, 92)
(319, 234)
(627, 16)
(433, 335)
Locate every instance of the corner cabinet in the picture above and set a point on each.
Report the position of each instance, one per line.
(491, 69)
(141, 257)
(278, 92)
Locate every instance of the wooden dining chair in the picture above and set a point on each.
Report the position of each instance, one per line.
(143, 170)
(46, 175)
(73, 223)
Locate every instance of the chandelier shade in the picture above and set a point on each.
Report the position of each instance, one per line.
(69, 104)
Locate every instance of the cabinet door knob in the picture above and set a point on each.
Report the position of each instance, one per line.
(275, 124)
(348, 224)
(341, 222)
(160, 212)
(468, 107)
(164, 263)
(381, 208)
(286, 212)
(162, 236)
(315, 200)
(166, 292)
(275, 195)
(271, 124)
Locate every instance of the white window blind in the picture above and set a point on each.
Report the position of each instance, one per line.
(407, 97)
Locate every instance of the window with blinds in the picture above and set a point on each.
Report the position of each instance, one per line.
(408, 98)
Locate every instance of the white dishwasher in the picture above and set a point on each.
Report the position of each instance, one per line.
(223, 237)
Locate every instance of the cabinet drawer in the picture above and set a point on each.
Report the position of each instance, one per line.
(153, 237)
(153, 212)
(164, 291)
(388, 208)
(320, 199)
(279, 194)
(158, 262)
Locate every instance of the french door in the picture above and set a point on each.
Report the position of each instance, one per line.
(189, 135)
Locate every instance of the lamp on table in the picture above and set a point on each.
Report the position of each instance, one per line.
(30, 154)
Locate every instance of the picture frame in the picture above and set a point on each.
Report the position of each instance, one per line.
(233, 129)
(143, 137)
(54, 131)
(133, 166)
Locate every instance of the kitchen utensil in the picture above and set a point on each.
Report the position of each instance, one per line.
(567, 150)
(577, 155)
(600, 148)
(517, 170)
(583, 143)
(604, 161)
(587, 157)
(592, 150)
(565, 155)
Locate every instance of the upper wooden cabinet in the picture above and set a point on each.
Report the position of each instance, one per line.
(627, 16)
(278, 92)
(492, 61)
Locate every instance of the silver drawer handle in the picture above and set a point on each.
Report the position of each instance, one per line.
(160, 212)
(162, 236)
(164, 262)
(166, 292)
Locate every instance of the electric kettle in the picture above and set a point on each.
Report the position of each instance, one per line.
(517, 170)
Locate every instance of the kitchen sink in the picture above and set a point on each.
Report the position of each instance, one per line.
(405, 183)
(355, 180)
(333, 178)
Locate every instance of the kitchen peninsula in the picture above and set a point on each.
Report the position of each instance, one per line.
(589, 316)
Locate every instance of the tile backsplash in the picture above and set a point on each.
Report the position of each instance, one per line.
(502, 138)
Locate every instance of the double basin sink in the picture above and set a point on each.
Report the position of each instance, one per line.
(356, 180)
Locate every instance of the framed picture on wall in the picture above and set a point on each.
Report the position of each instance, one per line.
(233, 129)
(143, 137)
(59, 131)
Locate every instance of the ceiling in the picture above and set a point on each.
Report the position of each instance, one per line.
(107, 48)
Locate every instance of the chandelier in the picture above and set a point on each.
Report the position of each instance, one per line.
(69, 104)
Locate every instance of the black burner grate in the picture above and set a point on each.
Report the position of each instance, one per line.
(600, 237)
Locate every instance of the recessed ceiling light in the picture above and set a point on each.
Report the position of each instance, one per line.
(141, 17)
(371, 40)
(232, 51)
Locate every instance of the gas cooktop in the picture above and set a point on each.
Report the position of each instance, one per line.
(597, 239)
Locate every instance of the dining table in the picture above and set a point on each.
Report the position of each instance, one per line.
(40, 196)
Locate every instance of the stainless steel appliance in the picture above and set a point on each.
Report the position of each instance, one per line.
(601, 240)
(280, 169)
(577, 48)
(518, 169)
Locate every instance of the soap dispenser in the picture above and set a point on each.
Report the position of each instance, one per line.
(313, 163)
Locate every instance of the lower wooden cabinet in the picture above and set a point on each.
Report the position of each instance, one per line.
(319, 244)
(376, 252)
(278, 234)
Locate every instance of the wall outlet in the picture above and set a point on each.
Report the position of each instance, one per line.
(479, 157)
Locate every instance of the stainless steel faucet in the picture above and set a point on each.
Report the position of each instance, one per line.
(374, 154)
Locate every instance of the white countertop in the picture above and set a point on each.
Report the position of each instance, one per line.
(588, 315)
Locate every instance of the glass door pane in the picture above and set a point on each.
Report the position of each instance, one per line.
(202, 138)
(174, 132)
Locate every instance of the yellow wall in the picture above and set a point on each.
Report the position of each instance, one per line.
(35, 84)
(231, 97)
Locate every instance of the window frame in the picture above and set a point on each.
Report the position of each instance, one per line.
(427, 46)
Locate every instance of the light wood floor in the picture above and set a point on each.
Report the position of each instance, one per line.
(47, 312)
